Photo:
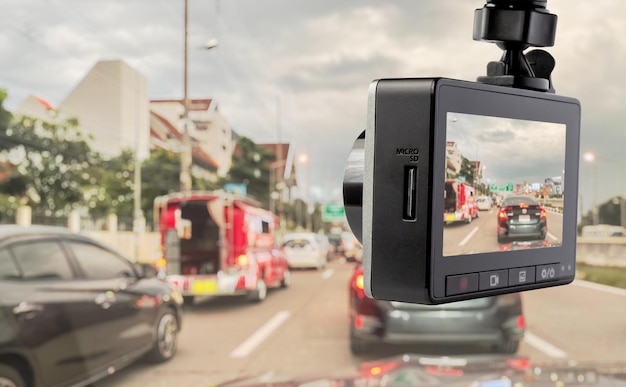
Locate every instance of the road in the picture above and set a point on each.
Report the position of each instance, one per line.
(481, 235)
(304, 329)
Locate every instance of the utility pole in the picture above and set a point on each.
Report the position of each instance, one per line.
(186, 155)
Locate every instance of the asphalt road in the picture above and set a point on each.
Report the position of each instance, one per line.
(304, 329)
(481, 235)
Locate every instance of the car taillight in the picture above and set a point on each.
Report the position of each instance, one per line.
(502, 214)
(521, 322)
(357, 284)
(544, 214)
(160, 263)
(243, 260)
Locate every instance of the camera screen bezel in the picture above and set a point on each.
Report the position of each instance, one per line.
(486, 100)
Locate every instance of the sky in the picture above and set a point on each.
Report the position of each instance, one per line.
(305, 66)
(510, 151)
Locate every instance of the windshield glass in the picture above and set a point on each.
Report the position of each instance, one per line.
(118, 118)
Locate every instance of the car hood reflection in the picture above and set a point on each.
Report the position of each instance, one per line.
(523, 245)
(467, 371)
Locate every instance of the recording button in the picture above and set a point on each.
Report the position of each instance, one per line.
(458, 284)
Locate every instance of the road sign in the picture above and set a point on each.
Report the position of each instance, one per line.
(333, 213)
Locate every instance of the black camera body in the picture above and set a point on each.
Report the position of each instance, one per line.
(468, 190)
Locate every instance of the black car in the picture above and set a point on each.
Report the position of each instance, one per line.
(73, 310)
(521, 218)
(495, 321)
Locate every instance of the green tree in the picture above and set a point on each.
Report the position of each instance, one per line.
(5, 118)
(47, 164)
(111, 185)
(467, 170)
(251, 167)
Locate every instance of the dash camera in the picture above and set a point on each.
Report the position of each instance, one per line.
(468, 190)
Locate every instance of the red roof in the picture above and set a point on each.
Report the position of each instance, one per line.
(200, 104)
(44, 102)
(197, 152)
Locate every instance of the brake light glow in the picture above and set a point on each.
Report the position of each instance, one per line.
(358, 282)
(243, 260)
(521, 322)
(358, 322)
(502, 215)
(544, 214)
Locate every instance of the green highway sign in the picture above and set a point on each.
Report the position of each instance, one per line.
(333, 213)
(509, 187)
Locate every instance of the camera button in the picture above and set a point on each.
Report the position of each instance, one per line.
(547, 273)
(464, 283)
(522, 276)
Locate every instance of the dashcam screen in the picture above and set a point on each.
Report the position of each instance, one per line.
(503, 184)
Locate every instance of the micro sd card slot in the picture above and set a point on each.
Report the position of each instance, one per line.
(410, 193)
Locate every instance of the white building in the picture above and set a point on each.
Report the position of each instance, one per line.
(454, 159)
(207, 128)
(112, 105)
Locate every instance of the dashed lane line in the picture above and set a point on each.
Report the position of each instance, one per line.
(245, 348)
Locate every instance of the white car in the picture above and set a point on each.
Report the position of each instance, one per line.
(304, 250)
(484, 203)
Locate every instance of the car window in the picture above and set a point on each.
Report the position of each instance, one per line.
(519, 200)
(8, 268)
(42, 260)
(297, 243)
(98, 263)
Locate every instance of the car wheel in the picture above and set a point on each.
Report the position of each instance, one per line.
(10, 377)
(286, 281)
(508, 346)
(188, 300)
(358, 346)
(260, 293)
(166, 338)
(469, 219)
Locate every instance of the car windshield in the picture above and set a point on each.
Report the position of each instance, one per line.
(194, 137)
(516, 201)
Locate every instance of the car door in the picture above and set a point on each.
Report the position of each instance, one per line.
(118, 298)
(36, 275)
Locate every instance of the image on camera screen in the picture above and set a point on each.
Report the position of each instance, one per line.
(503, 184)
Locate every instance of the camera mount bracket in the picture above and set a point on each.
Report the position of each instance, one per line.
(514, 26)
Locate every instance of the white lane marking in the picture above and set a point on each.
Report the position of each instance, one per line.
(544, 346)
(469, 236)
(552, 236)
(328, 273)
(245, 348)
(600, 287)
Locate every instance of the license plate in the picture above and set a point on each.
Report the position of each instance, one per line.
(524, 218)
(204, 287)
(449, 217)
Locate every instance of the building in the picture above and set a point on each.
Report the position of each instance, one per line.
(209, 131)
(454, 159)
(112, 105)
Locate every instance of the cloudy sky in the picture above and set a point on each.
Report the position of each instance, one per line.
(315, 57)
(510, 151)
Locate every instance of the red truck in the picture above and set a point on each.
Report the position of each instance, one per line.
(218, 244)
(459, 202)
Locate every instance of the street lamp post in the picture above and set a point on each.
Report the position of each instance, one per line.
(186, 157)
(593, 158)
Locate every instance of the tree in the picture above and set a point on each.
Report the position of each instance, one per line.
(5, 117)
(111, 185)
(251, 167)
(47, 164)
(467, 170)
